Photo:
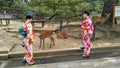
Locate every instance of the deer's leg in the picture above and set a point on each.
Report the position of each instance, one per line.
(53, 41)
(50, 42)
(40, 43)
(43, 43)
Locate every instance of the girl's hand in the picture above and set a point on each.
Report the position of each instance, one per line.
(32, 40)
(37, 34)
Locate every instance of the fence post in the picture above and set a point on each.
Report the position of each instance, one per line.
(9, 21)
(6, 21)
(1, 21)
(67, 21)
(61, 25)
(43, 23)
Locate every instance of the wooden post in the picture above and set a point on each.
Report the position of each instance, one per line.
(9, 21)
(113, 21)
(6, 22)
(43, 23)
(61, 25)
(67, 21)
(1, 21)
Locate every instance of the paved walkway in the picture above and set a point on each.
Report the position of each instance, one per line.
(97, 60)
(96, 63)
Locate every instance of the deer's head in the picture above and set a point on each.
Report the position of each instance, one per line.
(40, 33)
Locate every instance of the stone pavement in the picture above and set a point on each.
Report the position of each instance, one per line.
(96, 63)
(97, 60)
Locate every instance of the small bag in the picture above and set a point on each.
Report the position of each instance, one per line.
(22, 32)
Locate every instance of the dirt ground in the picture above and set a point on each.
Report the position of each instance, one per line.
(9, 36)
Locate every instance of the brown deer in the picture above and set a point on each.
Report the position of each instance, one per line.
(46, 34)
(62, 34)
(97, 19)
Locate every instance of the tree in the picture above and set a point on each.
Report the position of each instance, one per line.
(62, 7)
(47, 8)
(108, 8)
(5, 4)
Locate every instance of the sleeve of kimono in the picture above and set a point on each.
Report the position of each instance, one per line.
(82, 26)
(24, 26)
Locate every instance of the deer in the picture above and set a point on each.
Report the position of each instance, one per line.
(62, 34)
(46, 34)
(97, 19)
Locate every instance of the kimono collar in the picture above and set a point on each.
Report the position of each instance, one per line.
(86, 18)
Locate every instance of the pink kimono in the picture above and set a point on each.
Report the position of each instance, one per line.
(87, 30)
(28, 41)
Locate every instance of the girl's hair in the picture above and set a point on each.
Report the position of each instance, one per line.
(86, 12)
(29, 16)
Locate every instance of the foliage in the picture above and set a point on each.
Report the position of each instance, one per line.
(65, 7)
(46, 8)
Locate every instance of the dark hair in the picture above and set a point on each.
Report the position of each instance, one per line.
(29, 16)
(86, 12)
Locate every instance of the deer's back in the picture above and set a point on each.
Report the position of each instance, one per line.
(98, 19)
(46, 33)
(62, 34)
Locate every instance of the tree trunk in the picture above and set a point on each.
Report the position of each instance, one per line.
(108, 8)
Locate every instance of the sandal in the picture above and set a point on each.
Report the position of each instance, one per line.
(85, 56)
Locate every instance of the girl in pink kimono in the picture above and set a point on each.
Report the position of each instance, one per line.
(28, 40)
(87, 30)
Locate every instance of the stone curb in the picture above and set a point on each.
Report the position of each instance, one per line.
(56, 53)
(3, 52)
(3, 56)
